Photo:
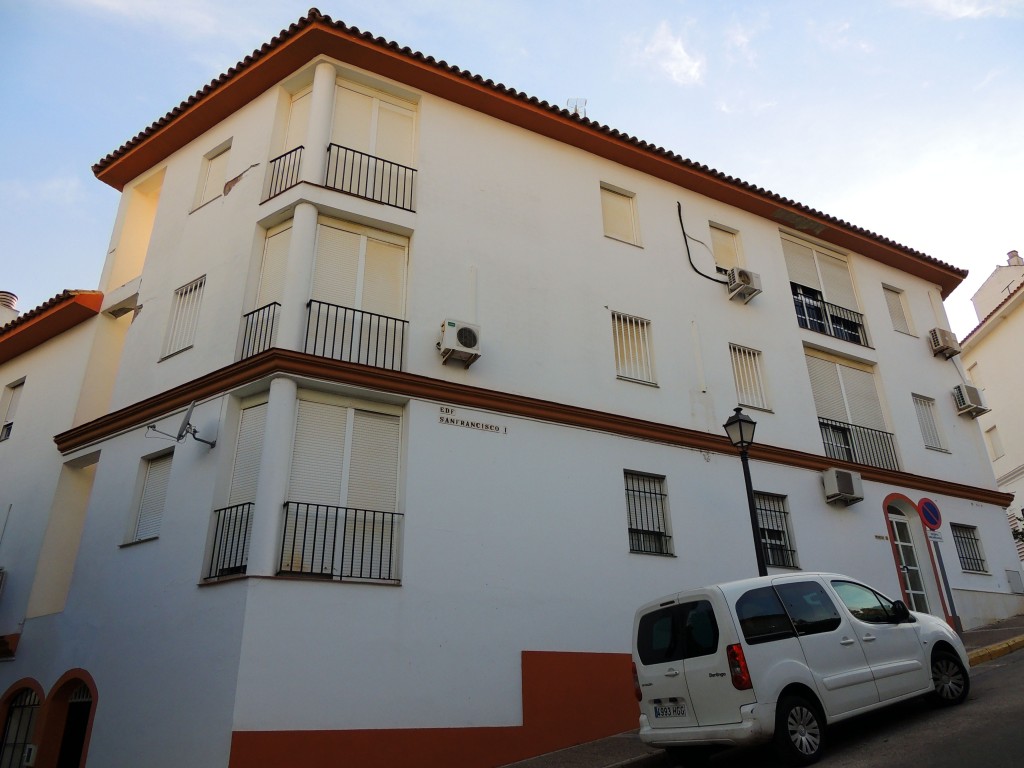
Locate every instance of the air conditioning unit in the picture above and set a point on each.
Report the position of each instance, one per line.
(943, 342)
(969, 401)
(743, 284)
(459, 341)
(842, 485)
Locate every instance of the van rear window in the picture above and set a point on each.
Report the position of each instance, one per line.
(762, 617)
(677, 632)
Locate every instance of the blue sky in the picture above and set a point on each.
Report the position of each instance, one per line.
(905, 117)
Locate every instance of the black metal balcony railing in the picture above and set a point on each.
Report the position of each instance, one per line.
(863, 445)
(284, 172)
(838, 322)
(373, 178)
(342, 333)
(340, 542)
(231, 540)
(259, 330)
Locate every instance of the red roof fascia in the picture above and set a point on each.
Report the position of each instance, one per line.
(47, 321)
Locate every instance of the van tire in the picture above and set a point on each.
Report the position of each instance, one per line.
(799, 730)
(951, 680)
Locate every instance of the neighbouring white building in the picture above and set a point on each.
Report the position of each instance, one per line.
(992, 357)
(402, 389)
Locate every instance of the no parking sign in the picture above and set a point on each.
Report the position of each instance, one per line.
(930, 515)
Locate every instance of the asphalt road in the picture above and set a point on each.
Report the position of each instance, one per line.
(985, 731)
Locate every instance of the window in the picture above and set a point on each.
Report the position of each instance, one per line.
(925, 408)
(725, 247)
(865, 604)
(968, 547)
(633, 358)
(683, 631)
(823, 293)
(810, 609)
(762, 617)
(154, 494)
(9, 407)
(894, 300)
(975, 376)
(184, 317)
(618, 209)
(19, 728)
(749, 376)
(773, 522)
(212, 175)
(994, 443)
(646, 509)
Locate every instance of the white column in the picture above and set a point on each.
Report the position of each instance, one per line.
(318, 133)
(272, 486)
(298, 279)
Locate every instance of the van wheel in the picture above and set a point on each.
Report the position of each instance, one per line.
(697, 756)
(799, 730)
(951, 680)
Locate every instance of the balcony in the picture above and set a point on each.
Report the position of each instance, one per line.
(814, 314)
(354, 336)
(259, 330)
(371, 178)
(862, 445)
(284, 172)
(341, 543)
(231, 536)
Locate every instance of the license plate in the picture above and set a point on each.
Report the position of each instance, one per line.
(675, 710)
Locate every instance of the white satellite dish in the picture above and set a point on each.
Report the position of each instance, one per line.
(186, 428)
(185, 422)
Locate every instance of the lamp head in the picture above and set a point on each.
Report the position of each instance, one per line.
(740, 429)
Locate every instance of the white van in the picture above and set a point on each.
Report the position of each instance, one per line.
(780, 657)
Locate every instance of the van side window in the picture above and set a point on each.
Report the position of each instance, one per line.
(762, 617)
(809, 607)
(865, 604)
(677, 632)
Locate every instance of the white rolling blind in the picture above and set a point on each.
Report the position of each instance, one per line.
(318, 453)
(800, 264)
(154, 495)
(373, 467)
(835, 274)
(618, 215)
(862, 398)
(894, 302)
(248, 449)
(353, 116)
(723, 246)
(395, 130)
(216, 174)
(337, 266)
(846, 394)
(275, 266)
(383, 278)
(298, 122)
(828, 391)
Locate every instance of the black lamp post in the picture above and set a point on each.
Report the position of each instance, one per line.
(740, 429)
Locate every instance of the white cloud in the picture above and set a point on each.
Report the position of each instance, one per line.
(835, 36)
(666, 51)
(966, 9)
(739, 39)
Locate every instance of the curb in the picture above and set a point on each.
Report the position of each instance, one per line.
(990, 652)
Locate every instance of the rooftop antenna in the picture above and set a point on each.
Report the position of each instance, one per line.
(186, 428)
(577, 106)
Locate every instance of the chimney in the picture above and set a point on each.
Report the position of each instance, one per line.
(1014, 260)
(8, 307)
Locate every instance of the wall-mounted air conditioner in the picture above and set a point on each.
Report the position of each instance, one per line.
(943, 343)
(459, 341)
(842, 485)
(743, 284)
(969, 401)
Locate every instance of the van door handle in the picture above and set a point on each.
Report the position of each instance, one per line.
(847, 641)
(672, 673)
(868, 638)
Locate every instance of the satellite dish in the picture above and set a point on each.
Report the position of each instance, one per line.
(183, 429)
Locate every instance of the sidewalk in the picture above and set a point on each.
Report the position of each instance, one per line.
(626, 749)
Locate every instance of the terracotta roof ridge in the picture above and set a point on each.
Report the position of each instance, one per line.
(995, 309)
(24, 317)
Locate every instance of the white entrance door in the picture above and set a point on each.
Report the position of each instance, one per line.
(910, 570)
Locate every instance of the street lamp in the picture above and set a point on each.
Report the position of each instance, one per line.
(740, 429)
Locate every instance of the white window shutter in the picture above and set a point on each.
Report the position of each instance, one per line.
(318, 453)
(298, 122)
(835, 274)
(395, 131)
(216, 175)
(723, 246)
(862, 398)
(337, 266)
(353, 116)
(384, 278)
(827, 389)
(373, 467)
(154, 495)
(894, 302)
(618, 214)
(248, 449)
(275, 266)
(800, 264)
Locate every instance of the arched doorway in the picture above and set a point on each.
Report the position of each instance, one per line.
(76, 726)
(907, 561)
(19, 727)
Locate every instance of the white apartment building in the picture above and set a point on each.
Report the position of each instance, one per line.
(406, 388)
(992, 358)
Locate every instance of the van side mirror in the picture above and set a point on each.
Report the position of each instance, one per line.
(900, 612)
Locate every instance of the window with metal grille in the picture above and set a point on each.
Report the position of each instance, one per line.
(18, 730)
(925, 407)
(749, 376)
(184, 317)
(968, 547)
(773, 524)
(633, 357)
(646, 508)
(897, 310)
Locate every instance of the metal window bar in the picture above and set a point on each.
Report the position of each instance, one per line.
(645, 507)
(863, 445)
(18, 730)
(284, 172)
(925, 408)
(260, 330)
(773, 521)
(367, 550)
(369, 177)
(343, 333)
(633, 358)
(232, 533)
(968, 547)
(746, 368)
(184, 316)
(831, 319)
